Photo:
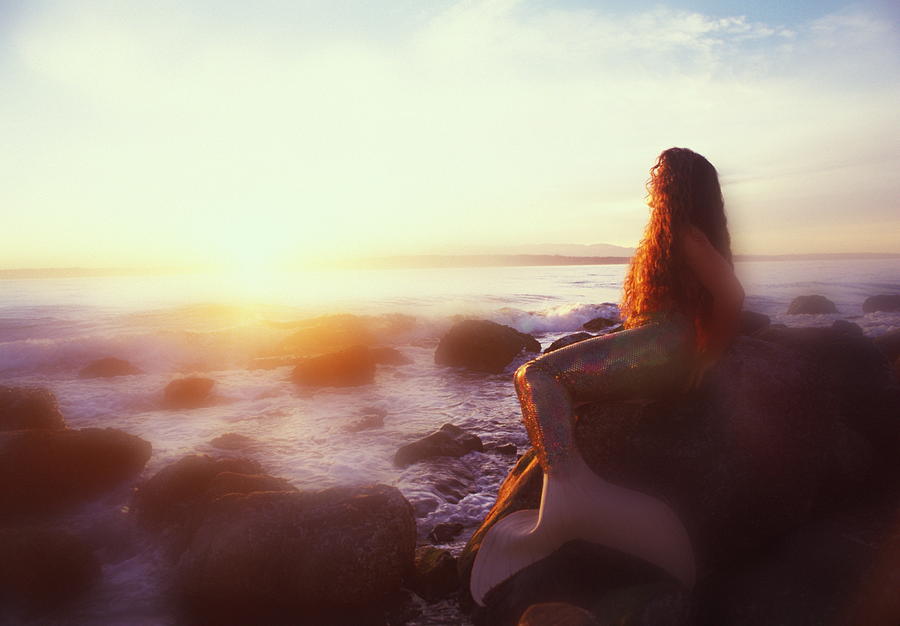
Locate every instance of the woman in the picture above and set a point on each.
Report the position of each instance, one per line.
(681, 308)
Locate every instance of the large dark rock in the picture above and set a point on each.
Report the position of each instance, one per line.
(302, 557)
(188, 393)
(482, 345)
(449, 440)
(599, 323)
(752, 322)
(889, 302)
(766, 444)
(107, 368)
(29, 407)
(47, 471)
(889, 344)
(811, 305)
(349, 367)
(567, 340)
(42, 571)
(434, 575)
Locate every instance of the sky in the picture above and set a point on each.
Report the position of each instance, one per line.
(271, 132)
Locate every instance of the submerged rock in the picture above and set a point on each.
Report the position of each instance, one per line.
(811, 305)
(567, 340)
(350, 367)
(374, 418)
(434, 575)
(482, 345)
(389, 356)
(599, 323)
(29, 407)
(232, 441)
(188, 393)
(107, 368)
(42, 571)
(48, 471)
(450, 440)
(297, 556)
(889, 302)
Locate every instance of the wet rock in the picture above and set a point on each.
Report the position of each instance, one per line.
(373, 419)
(389, 356)
(556, 614)
(482, 345)
(599, 323)
(434, 575)
(567, 340)
(29, 407)
(450, 440)
(297, 556)
(48, 471)
(889, 302)
(752, 322)
(506, 448)
(188, 393)
(445, 532)
(889, 344)
(814, 304)
(350, 367)
(232, 441)
(107, 368)
(42, 571)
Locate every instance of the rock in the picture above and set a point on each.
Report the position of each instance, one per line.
(42, 571)
(889, 302)
(897, 369)
(811, 305)
(188, 393)
(845, 326)
(168, 497)
(350, 367)
(599, 323)
(445, 532)
(450, 440)
(29, 407)
(389, 356)
(434, 575)
(330, 332)
(107, 368)
(889, 344)
(506, 448)
(224, 483)
(232, 441)
(373, 419)
(482, 345)
(557, 614)
(752, 322)
(764, 445)
(567, 340)
(48, 471)
(264, 556)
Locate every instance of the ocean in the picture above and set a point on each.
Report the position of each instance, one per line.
(219, 325)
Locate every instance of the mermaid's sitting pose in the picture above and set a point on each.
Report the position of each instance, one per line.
(680, 308)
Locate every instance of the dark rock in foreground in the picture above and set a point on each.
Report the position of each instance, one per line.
(306, 557)
(567, 340)
(188, 393)
(350, 367)
(107, 368)
(889, 344)
(752, 321)
(29, 407)
(47, 471)
(557, 614)
(434, 576)
(450, 440)
(811, 305)
(482, 345)
(42, 571)
(889, 302)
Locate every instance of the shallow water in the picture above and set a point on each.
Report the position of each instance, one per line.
(168, 326)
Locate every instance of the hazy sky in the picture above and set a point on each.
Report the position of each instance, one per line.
(242, 132)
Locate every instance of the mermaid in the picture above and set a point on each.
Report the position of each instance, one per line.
(681, 308)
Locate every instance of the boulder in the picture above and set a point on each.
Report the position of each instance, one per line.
(482, 345)
(349, 367)
(42, 571)
(304, 557)
(846, 326)
(599, 323)
(232, 441)
(752, 322)
(188, 393)
(434, 575)
(889, 344)
(763, 446)
(567, 340)
(889, 302)
(48, 471)
(29, 407)
(107, 368)
(811, 305)
(385, 355)
(449, 440)
(505, 448)
(445, 532)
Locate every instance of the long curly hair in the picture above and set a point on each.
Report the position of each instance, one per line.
(683, 190)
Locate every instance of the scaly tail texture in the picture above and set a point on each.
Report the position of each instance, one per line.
(576, 503)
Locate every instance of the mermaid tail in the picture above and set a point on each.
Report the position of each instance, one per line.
(576, 503)
(581, 505)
